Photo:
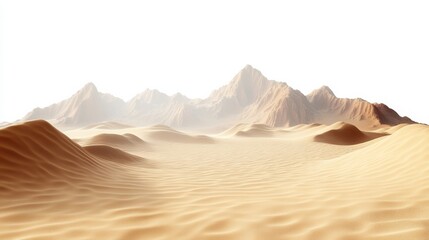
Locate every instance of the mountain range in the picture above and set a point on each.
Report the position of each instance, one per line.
(249, 98)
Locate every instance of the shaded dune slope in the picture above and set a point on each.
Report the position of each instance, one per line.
(345, 134)
(35, 153)
(113, 154)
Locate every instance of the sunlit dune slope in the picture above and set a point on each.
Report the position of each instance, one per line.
(125, 140)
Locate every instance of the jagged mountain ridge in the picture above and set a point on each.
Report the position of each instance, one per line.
(87, 106)
(249, 98)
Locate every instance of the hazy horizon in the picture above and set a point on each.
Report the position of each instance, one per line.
(373, 50)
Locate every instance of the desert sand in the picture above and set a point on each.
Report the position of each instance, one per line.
(251, 181)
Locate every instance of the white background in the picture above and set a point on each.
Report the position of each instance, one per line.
(376, 50)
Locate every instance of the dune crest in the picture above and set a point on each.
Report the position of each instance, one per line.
(126, 140)
(250, 130)
(36, 154)
(167, 134)
(111, 154)
(108, 125)
(36, 150)
(345, 134)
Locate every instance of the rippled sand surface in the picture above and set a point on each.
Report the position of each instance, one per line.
(250, 182)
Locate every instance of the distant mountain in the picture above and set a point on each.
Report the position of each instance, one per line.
(243, 90)
(87, 106)
(330, 109)
(280, 106)
(249, 98)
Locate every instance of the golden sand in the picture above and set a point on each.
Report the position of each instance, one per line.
(250, 182)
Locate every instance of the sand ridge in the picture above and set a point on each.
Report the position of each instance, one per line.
(167, 134)
(108, 125)
(126, 140)
(35, 153)
(109, 153)
(250, 130)
(346, 134)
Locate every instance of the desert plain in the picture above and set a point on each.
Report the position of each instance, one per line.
(251, 181)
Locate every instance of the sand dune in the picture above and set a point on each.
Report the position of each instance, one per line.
(346, 134)
(339, 133)
(167, 134)
(111, 154)
(37, 154)
(250, 130)
(108, 125)
(126, 140)
(304, 126)
(280, 186)
(390, 130)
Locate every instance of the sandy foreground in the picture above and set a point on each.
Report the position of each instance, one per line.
(249, 182)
